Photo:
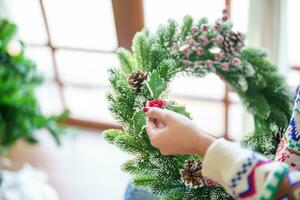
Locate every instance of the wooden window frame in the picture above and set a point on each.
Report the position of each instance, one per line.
(295, 67)
(129, 18)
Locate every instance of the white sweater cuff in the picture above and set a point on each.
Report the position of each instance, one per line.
(222, 160)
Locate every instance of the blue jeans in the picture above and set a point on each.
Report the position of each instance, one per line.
(134, 193)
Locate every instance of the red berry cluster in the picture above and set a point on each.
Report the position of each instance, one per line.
(154, 103)
(157, 103)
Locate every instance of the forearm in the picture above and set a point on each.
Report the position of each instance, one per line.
(203, 142)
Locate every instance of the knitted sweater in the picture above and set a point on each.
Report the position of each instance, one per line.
(248, 175)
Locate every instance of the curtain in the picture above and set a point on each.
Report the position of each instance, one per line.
(267, 29)
(3, 9)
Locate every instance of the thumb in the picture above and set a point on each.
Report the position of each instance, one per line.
(157, 113)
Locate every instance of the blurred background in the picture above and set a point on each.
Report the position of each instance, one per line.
(73, 43)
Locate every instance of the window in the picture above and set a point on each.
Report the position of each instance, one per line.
(73, 43)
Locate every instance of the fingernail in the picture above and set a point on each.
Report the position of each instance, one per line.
(145, 109)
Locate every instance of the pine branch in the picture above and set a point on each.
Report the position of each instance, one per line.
(126, 60)
(141, 50)
(124, 141)
(186, 27)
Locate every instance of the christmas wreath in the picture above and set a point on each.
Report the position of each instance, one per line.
(196, 50)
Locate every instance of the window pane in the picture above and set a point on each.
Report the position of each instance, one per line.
(239, 15)
(240, 122)
(207, 115)
(84, 67)
(42, 57)
(27, 15)
(158, 12)
(293, 32)
(233, 96)
(210, 86)
(293, 78)
(82, 23)
(88, 104)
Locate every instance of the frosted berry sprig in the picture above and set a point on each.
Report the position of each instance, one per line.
(211, 45)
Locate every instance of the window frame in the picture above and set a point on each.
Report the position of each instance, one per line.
(124, 11)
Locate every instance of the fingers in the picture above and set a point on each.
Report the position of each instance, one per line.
(150, 126)
(153, 130)
(157, 113)
(159, 124)
(156, 125)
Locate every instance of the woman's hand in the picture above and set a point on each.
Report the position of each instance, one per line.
(173, 133)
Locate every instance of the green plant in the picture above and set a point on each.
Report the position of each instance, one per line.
(20, 114)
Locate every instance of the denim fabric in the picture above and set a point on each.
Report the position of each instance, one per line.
(134, 193)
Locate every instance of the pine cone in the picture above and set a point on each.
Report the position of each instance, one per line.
(233, 42)
(136, 80)
(191, 174)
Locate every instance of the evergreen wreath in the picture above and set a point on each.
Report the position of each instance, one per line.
(196, 50)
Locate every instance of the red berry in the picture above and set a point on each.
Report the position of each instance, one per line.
(151, 103)
(204, 27)
(203, 40)
(236, 62)
(208, 63)
(195, 29)
(219, 39)
(225, 65)
(160, 103)
(218, 26)
(156, 105)
(191, 42)
(200, 51)
(186, 51)
(218, 57)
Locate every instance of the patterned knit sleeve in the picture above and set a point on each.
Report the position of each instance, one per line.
(289, 147)
(248, 175)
